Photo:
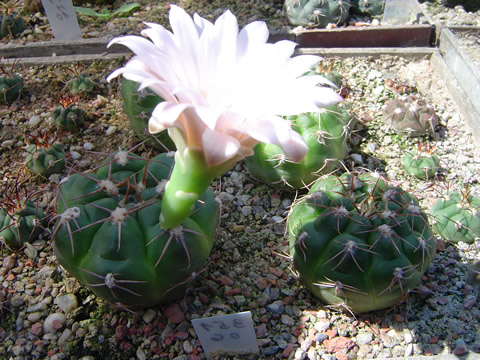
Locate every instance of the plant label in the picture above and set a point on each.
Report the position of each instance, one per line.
(396, 12)
(62, 19)
(227, 334)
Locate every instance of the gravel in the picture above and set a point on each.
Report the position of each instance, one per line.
(45, 313)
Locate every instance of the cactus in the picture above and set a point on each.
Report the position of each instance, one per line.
(108, 234)
(68, 115)
(11, 85)
(80, 84)
(45, 157)
(359, 243)
(457, 217)
(369, 7)
(21, 221)
(329, 70)
(316, 13)
(422, 163)
(325, 134)
(410, 115)
(139, 105)
(11, 24)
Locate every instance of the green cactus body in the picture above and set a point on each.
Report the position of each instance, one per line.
(108, 234)
(410, 115)
(70, 118)
(11, 24)
(139, 105)
(316, 13)
(10, 87)
(421, 164)
(325, 134)
(81, 84)
(21, 222)
(370, 7)
(45, 160)
(457, 217)
(358, 243)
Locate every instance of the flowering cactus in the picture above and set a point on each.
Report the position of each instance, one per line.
(457, 217)
(109, 237)
(316, 13)
(356, 242)
(220, 100)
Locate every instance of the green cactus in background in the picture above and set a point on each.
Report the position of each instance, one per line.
(359, 243)
(316, 13)
(45, 157)
(11, 24)
(11, 85)
(329, 70)
(80, 84)
(369, 7)
(325, 134)
(139, 105)
(422, 163)
(21, 221)
(457, 217)
(68, 116)
(410, 115)
(108, 234)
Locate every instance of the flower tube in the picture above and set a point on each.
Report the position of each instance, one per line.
(225, 90)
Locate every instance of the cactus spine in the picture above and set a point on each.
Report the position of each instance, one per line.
(316, 13)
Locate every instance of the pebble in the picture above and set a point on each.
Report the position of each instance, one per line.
(174, 314)
(9, 262)
(53, 323)
(149, 315)
(66, 303)
(34, 120)
(287, 320)
(364, 337)
(276, 307)
(65, 336)
(88, 146)
(111, 130)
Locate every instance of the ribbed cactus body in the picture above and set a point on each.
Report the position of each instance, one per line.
(82, 83)
(11, 24)
(358, 243)
(69, 118)
(139, 105)
(20, 223)
(369, 7)
(325, 134)
(423, 165)
(457, 217)
(10, 87)
(410, 115)
(45, 160)
(108, 234)
(316, 13)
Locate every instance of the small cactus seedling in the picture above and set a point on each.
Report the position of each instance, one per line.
(369, 7)
(316, 13)
(358, 242)
(325, 134)
(457, 217)
(11, 85)
(109, 237)
(68, 116)
(81, 84)
(21, 221)
(10, 22)
(139, 105)
(422, 163)
(45, 156)
(410, 115)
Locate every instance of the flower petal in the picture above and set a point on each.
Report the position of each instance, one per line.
(165, 115)
(219, 147)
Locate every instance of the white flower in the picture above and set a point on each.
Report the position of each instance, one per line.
(224, 90)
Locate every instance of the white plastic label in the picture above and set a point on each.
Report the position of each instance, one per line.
(227, 334)
(62, 19)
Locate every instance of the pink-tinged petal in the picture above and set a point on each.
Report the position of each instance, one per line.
(218, 147)
(251, 36)
(165, 115)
